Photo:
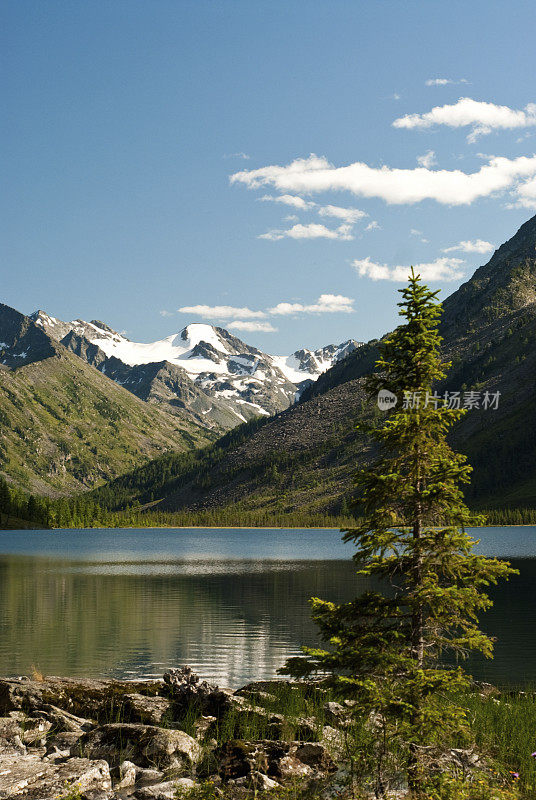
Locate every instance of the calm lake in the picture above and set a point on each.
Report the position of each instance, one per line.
(230, 603)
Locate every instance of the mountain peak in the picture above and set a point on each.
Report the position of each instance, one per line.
(233, 375)
(197, 332)
(58, 329)
(103, 327)
(22, 341)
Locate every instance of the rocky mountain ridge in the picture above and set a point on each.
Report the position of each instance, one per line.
(203, 370)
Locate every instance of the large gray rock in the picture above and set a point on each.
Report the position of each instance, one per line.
(144, 745)
(64, 741)
(336, 715)
(27, 777)
(64, 721)
(98, 699)
(11, 734)
(149, 710)
(164, 791)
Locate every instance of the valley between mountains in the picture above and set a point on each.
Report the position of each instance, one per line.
(201, 420)
(305, 456)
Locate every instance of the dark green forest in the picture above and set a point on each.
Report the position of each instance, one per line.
(18, 510)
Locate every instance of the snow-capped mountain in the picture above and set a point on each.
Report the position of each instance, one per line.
(204, 369)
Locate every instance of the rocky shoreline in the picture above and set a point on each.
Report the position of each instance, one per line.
(81, 739)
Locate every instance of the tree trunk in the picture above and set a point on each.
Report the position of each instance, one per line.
(415, 775)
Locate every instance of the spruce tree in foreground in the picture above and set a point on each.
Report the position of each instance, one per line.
(390, 649)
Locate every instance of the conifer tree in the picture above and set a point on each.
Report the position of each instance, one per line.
(32, 509)
(5, 501)
(394, 650)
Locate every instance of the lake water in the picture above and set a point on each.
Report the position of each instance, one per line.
(230, 603)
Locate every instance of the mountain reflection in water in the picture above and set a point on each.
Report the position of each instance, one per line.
(134, 603)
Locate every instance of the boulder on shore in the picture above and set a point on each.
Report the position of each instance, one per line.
(84, 697)
(28, 777)
(144, 745)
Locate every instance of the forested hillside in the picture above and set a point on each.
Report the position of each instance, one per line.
(64, 427)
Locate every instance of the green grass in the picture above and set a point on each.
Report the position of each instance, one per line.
(505, 728)
(295, 702)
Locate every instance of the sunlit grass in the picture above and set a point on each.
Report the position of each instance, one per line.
(505, 728)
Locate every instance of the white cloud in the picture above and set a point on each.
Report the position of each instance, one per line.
(245, 319)
(165, 313)
(289, 200)
(326, 303)
(449, 187)
(373, 226)
(526, 194)
(273, 235)
(395, 96)
(222, 312)
(480, 116)
(238, 155)
(349, 215)
(291, 218)
(443, 81)
(260, 327)
(476, 246)
(442, 269)
(311, 231)
(427, 160)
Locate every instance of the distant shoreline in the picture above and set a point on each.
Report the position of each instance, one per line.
(237, 528)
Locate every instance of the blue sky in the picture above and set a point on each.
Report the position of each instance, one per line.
(127, 120)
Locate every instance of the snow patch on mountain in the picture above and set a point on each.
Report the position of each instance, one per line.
(292, 369)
